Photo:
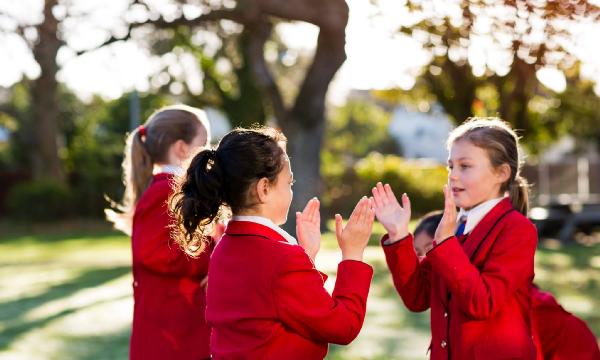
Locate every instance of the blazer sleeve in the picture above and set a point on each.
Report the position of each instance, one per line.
(305, 306)
(411, 276)
(155, 250)
(482, 291)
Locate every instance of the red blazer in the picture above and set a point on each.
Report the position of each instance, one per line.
(478, 290)
(562, 335)
(169, 303)
(266, 300)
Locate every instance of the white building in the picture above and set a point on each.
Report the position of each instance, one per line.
(421, 135)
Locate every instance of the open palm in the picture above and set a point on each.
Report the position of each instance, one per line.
(308, 227)
(447, 225)
(393, 216)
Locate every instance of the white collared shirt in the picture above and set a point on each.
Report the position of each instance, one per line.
(268, 223)
(477, 213)
(168, 169)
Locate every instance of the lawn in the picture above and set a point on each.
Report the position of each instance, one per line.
(66, 294)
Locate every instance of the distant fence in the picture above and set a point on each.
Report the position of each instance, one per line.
(572, 181)
(565, 196)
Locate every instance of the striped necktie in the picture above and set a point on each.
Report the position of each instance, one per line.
(461, 226)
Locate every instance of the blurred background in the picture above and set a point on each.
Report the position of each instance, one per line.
(365, 90)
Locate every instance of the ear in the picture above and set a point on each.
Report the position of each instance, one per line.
(503, 173)
(262, 190)
(180, 149)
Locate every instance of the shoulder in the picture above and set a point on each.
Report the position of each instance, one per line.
(519, 221)
(159, 189)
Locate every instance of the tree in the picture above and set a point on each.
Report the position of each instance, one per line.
(45, 154)
(524, 37)
(304, 120)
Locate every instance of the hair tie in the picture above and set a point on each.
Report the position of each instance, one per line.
(142, 130)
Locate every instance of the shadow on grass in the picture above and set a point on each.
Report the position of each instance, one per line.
(14, 310)
(100, 347)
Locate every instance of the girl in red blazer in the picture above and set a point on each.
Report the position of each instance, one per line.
(560, 334)
(169, 299)
(265, 299)
(476, 277)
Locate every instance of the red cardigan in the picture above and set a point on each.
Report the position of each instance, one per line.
(562, 335)
(478, 290)
(266, 300)
(169, 303)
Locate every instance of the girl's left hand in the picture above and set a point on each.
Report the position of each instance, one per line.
(308, 228)
(447, 225)
(393, 216)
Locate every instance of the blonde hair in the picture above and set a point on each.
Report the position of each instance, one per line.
(502, 146)
(150, 146)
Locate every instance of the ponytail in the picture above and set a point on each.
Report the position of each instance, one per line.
(518, 191)
(147, 145)
(196, 202)
(219, 181)
(137, 174)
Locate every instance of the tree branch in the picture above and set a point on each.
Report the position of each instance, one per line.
(161, 23)
(258, 34)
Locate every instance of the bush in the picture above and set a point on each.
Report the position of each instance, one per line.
(422, 181)
(39, 201)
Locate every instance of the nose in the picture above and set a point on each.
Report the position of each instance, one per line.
(452, 174)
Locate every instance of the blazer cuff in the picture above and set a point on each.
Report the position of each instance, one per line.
(354, 274)
(438, 244)
(387, 236)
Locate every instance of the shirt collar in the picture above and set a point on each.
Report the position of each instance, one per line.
(477, 213)
(168, 169)
(268, 223)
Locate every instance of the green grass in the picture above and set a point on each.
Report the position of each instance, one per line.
(66, 294)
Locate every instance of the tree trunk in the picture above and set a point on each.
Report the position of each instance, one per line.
(45, 154)
(305, 125)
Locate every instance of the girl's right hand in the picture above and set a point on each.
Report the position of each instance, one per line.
(354, 236)
(391, 215)
(447, 226)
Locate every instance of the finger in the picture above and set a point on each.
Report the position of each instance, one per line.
(381, 190)
(377, 197)
(310, 209)
(360, 209)
(299, 231)
(339, 226)
(316, 216)
(406, 203)
(307, 207)
(364, 205)
(390, 194)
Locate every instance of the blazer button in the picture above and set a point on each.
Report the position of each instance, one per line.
(445, 314)
(443, 344)
(135, 283)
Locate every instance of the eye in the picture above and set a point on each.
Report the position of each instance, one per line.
(463, 166)
(292, 182)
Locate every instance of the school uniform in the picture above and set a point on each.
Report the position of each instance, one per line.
(169, 302)
(477, 285)
(266, 300)
(562, 335)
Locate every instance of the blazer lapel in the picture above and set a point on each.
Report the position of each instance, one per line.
(479, 234)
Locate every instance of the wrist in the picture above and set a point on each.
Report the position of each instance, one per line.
(352, 255)
(397, 234)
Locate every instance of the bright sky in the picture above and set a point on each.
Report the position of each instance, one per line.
(378, 55)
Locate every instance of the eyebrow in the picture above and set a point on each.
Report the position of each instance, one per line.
(459, 159)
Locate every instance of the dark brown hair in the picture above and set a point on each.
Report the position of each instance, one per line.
(501, 143)
(221, 179)
(145, 148)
